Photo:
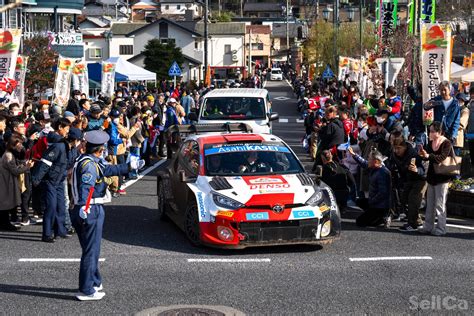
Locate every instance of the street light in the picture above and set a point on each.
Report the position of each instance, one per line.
(326, 13)
(351, 12)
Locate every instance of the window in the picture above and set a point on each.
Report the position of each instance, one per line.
(167, 40)
(95, 53)
(178, 7)
(126, 49)
(163, 30)
(257, 46)
(13, 19)
(167, 7)
(196, 44)
(189, 157)
(227, 49)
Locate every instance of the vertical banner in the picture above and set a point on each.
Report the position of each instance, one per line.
(427, 13)
(389, 21)
(411, 16)
(62, 84)
(80, 77)
(9, 45)
(20, 74)
(108, 79)
(435, 60)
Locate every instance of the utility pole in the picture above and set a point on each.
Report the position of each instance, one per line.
(250, 52)
(336, 30)
(241, 8)
(361, 8)
(288, 31)
(206, 36)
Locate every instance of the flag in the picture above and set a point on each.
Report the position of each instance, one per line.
(108, 79)
(80, 78)
(9, 45)
(62, 84)
(20, 74)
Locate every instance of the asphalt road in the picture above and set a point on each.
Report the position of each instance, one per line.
(146, 264)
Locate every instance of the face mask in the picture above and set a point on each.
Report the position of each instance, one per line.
(16, 113)
(47, 125)
(77, 97)
(119, 95)
(116, 121)
(380, 120)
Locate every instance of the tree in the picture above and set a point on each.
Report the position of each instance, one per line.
(42, 59)
(159, 57)
(225, 16)
(319, 47)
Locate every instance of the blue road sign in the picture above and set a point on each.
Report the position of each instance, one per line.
(174, 70)
(328, 74)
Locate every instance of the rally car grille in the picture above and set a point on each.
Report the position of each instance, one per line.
(292, 231)
(269, 207)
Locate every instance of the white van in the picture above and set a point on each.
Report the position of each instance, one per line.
(250, 106)
(276, 74)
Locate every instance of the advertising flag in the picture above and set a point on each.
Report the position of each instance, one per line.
(20, 74)
(108, 78)
(80, 78)
(9, 45)
(62, 84)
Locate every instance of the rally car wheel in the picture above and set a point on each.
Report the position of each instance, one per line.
(191, 225)
(162, 205)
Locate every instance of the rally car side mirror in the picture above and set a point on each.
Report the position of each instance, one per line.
(185, 179)
(273, 116)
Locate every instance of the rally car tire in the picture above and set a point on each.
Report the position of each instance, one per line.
(191, 224)
(162, 205)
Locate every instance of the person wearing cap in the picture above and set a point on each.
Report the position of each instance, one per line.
(90, 193)
(377, 206)
(96, 121)
(51, 173)
(463, 100)
(70, 116)
(171, 119)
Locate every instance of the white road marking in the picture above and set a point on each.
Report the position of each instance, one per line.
(142, 174)
(299, 121)
(281, 98)
(460, 226)
(230, 260)
(53, 260)
(264, 84)
(390, 258)
(282, 120)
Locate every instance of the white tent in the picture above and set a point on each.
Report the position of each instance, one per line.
(466, 75)
(131, 71)
(455, 67)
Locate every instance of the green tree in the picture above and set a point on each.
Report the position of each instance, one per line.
(159, 57)
(40, 75)
(319, 47)
(225, 16)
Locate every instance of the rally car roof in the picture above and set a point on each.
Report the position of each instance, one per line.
(237, 92)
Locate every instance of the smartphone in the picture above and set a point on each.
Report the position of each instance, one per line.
(413, 161)
(419, 147)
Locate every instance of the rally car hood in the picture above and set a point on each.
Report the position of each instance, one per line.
(292, 189)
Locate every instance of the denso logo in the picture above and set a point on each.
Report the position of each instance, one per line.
(269, 186)
(202, 209)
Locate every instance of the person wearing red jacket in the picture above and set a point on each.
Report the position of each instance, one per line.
(393, 102)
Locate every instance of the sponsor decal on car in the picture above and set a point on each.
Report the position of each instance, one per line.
(324, 208)
(266, 183)
(202, 208)
(225, 214)
(302, 214)
(244, 148)
(258, 216)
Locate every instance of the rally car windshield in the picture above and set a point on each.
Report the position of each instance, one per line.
(245, 159)
(233, 108)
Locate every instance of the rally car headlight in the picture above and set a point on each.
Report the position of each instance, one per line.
(315, 199)
(224, 201)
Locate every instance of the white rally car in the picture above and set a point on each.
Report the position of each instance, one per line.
(236, 190)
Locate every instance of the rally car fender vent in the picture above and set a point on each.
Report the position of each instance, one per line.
(219, 183)
(305, 179)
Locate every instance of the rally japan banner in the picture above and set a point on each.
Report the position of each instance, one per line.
(9, 45)
(435, 59)
(80, 77)
(108, 78)
(62, 85)
(20, 74)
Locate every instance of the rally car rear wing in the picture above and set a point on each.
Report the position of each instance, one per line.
(184, 130)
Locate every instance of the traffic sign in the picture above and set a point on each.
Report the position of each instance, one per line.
(174, 70)
(328, 74)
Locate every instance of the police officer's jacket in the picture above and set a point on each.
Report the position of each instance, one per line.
(54, 162)
(89, 171)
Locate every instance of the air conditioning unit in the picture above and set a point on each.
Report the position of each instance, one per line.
(235, 57)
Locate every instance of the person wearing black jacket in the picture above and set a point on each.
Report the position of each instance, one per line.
(331, 133)
(3, 126)
(73, 103)
(409, 170)
(51, 173)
